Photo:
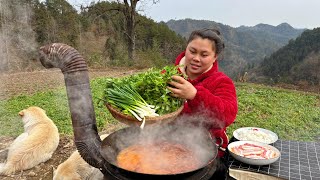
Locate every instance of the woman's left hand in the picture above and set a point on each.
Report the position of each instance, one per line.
(182, 88)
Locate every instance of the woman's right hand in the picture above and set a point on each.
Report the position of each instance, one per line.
(182, 88)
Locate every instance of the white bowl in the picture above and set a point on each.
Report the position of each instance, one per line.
(255, 134)
(252, 161)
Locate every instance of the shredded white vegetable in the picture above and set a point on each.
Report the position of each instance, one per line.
(255, 135)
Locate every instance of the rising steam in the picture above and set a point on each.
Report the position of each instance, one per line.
(17, 39)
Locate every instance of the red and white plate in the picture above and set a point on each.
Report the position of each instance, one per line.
(253, 153)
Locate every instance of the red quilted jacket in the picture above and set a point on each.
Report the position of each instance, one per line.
(215, 102)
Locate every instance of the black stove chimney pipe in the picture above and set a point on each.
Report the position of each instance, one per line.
(74, 68)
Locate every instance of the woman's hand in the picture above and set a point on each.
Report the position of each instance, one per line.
(182, 88)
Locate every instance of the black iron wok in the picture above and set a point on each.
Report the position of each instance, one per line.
(118, 140)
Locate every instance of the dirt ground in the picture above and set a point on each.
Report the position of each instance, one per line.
(13, 84)
(30, 82)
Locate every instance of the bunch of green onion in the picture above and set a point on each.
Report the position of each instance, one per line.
(128, 100)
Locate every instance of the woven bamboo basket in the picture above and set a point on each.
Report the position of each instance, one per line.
(130, 120)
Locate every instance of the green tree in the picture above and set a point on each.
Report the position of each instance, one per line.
(128, 9)
(62, 21)
(289, 64)
(40, 22)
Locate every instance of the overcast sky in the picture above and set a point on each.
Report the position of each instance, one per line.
(298, 13)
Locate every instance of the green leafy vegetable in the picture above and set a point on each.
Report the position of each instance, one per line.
(151, 86)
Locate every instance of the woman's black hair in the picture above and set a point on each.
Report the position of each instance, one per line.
(211, 34)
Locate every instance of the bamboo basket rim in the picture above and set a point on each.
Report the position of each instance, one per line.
(130, 120)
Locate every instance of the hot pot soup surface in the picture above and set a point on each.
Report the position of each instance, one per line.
(161, 157)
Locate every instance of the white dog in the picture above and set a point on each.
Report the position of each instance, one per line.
(36, 145)
(75, 168)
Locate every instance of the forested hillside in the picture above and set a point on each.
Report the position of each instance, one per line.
(246, 47)
(297, 62)
(100, 32)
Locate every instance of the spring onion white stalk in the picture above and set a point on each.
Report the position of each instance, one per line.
(143, 123)
(129, 100)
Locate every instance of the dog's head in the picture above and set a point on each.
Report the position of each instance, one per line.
(32, 115)
(65, 173)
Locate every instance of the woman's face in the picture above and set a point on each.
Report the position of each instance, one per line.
(200, 57)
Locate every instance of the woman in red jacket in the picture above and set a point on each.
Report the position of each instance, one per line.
(210, 94)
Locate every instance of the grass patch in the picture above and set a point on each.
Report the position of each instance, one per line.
(56, 106)
(293, 115)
